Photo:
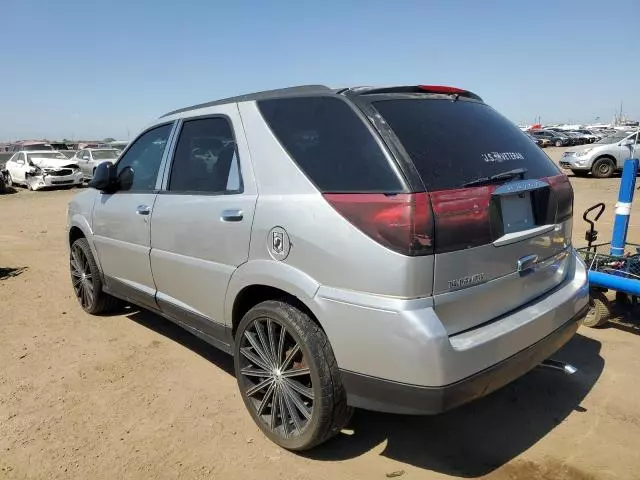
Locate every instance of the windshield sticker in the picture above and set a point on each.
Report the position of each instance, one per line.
(499, 157)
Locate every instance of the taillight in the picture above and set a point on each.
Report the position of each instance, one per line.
(563, 192)
(401, 222)
(462, 218)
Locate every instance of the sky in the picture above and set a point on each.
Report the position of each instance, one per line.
(95, 69)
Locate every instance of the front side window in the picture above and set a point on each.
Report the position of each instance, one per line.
(144, 158)
(206, 158)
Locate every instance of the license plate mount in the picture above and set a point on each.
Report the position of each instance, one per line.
(517, 212)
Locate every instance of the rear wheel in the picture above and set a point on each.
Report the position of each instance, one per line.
(288, 376)
(86, 280)
(603, 168)
(558, 143)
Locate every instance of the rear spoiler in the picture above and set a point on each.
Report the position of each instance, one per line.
(433, 89)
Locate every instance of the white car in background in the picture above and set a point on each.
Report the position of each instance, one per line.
(88, 159)
(602, 158)
(41, 169)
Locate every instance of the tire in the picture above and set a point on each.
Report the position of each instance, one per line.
(603, 168)
(580, 173)
(314, 400)
(599, 311)
(87, 281)
(623, 299)
(9, 182)
(558, 143)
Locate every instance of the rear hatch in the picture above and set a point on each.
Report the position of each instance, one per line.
(501, 209)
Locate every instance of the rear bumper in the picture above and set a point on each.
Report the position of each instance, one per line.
(397, 356)
(383, 395)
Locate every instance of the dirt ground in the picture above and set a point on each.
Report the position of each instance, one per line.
(133, 396)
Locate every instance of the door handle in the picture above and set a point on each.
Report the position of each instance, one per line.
(143, 210)
(231, 215)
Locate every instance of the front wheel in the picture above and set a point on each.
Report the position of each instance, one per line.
(603, 168)
(86, 279)
(558, 143)
(288, 376)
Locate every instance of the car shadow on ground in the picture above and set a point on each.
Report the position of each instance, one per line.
(10, 272)
(626, 318)
(482, 436)
(180, 335)
(470, 441)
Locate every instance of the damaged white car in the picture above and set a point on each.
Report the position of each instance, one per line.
(41, 169)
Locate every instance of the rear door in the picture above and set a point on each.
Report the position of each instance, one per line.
(502, 209)
(201, 223)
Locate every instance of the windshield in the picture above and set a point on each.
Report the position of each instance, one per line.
(56, 155)
(616, 137)
(429, 130)
(105, 154)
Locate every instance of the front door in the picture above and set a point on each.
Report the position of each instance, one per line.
(121, 220)
(201, 222)
(83, 161)
(17, 167)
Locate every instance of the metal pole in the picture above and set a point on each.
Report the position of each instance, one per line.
(623, 206)
(614, 282)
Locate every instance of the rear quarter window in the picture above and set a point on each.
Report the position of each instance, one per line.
(331, 144)
(455, 142)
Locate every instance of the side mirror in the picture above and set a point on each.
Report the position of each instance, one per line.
(627, 142)
(125, 179)
(104, 178)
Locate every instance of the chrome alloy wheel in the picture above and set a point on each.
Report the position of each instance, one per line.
(81, 277)
(276, 378)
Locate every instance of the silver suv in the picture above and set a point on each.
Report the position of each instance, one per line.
(344, 245)
(602, 158)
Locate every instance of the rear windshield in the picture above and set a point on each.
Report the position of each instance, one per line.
(331, 144)
(455, 142)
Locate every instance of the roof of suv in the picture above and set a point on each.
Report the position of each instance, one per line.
(264, 95)
(322, 89)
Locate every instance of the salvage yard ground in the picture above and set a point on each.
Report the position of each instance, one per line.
(133, 396)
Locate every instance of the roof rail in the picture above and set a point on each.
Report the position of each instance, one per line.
(264, 95)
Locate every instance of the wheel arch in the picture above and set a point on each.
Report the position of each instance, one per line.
(262, 280)
(79, 228)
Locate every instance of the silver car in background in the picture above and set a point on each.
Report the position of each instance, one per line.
(603, 158)
(343, 245)
(89, 158)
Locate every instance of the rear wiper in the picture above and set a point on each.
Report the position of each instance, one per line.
(497, 177)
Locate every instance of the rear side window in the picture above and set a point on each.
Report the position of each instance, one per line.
(331, 144)
(452, 143)
(206, 158)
